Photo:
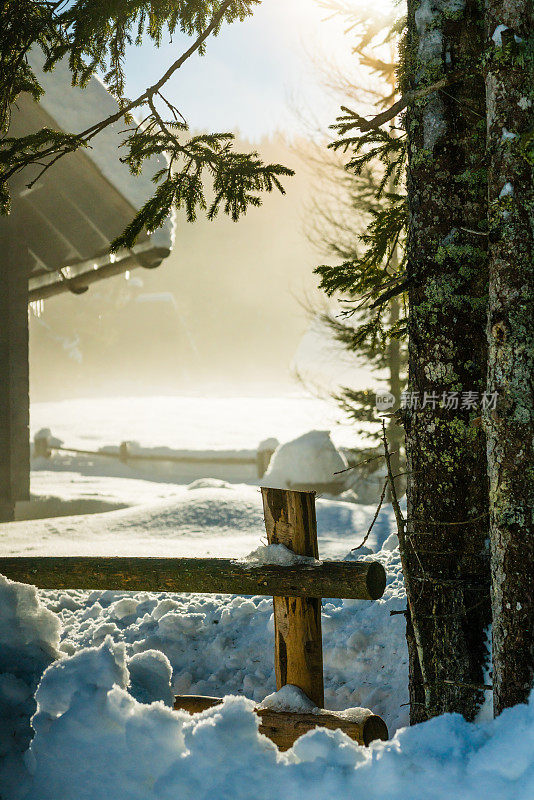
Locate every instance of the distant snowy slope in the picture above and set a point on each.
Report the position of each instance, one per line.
(188, 422)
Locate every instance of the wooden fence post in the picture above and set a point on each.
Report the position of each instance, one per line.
(41, 447)
(298, 650)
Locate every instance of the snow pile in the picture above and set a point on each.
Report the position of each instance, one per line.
(277, 554)
(29, 641)
(98, 729)
(311, 459)
(290, 698)
(150, 677)
(93, 737)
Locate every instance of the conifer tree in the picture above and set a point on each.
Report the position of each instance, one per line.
(93, 37)
(443, 541)
(368, 234)
(510, 110)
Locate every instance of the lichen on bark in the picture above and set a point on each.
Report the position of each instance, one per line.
(444, 548)
(509, 77)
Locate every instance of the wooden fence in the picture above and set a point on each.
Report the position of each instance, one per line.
(296, 589)
(43, 448)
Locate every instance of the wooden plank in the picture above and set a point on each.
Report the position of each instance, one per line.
(356, 580)
(285, 727)
(298, 646)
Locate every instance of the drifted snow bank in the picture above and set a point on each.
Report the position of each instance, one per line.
(93, 739)
(29, 641)
(207, 517)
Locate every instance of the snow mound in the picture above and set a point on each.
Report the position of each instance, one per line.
(290, 698)
(66, 681)
(148, 752)
(277, 554)
(150, 677)
(209, 483)
(310, 459)
(29, 642)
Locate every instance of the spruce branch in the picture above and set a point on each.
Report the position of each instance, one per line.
(397, 289)
(352, 120)
(92, 32)
(124, 111)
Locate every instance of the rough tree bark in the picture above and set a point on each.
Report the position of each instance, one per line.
(510, 118)
(395, 432)
(444, 552)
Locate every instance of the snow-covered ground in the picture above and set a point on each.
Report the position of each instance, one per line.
(75, 484)
(101, 723)
(207, 517)
(103, 727)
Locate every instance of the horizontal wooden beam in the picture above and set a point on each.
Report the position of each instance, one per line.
(358, 580)
(51, 284)
(285, 727)
(175, 459)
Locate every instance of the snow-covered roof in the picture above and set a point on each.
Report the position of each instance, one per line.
(76, 208)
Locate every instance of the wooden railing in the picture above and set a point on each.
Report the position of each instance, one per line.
(43, 448)
(296, 589)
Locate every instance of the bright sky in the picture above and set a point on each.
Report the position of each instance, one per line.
(254, 72)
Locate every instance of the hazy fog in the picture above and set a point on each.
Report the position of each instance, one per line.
(225, 312)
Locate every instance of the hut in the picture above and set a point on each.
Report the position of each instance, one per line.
(57, 238)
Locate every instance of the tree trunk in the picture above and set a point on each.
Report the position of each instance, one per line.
(509, 425)
(395, 432)
(445, 558)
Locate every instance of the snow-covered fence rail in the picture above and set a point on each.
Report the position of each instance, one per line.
(350, 580)
(285, 727)
(44, 445)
